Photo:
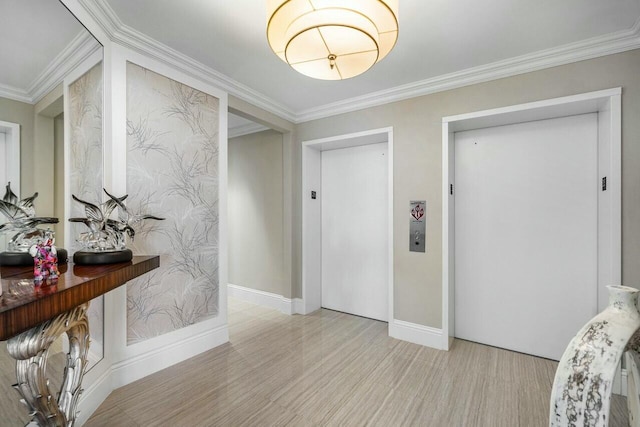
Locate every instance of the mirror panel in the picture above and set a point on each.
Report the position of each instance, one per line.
(34, 33)
(41, 43)
(85, 147)
(13, 412)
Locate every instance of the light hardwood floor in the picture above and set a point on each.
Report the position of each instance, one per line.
(334, 369)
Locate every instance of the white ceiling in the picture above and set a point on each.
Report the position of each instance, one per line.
(32, 35)
(437, 37)
(442, 44)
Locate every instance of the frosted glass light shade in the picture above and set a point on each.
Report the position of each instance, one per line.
(332, 39)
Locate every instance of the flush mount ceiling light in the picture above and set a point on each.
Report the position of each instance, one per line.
(332, 39)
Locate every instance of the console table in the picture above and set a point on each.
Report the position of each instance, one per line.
(32, 317)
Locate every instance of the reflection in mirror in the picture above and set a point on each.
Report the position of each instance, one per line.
(41, 44)
(14, 413)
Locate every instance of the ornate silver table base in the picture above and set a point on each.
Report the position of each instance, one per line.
(31, 348)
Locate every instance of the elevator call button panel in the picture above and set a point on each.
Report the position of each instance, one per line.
(417, 225)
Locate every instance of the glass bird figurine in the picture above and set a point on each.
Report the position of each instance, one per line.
(106, 239)
(23, 223)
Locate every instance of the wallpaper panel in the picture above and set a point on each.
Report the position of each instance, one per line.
(172, 172)
(85, 174)
(85, 118)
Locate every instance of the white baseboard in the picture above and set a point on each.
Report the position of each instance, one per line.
(154, 360)
(267, 299)
(619, 385)
(623, 383)
(298, 306)
(417, 334)
(93, 397)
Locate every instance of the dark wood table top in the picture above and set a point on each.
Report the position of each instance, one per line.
(24, 305)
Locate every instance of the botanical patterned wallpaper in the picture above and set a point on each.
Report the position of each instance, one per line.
(85, 172)
(85, 118)
(172, 172)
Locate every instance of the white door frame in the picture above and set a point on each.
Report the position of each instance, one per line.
(607, 103)
(312, 213)
(12, 132)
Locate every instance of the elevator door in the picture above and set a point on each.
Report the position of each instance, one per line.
(355, 230)
(526, 233)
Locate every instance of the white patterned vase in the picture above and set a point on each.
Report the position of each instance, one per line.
(581, 393)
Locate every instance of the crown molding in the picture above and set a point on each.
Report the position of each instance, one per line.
(103, 15)
(15, 93)
(607, 44)
(79, 49)
(137, 41)
(247, 129)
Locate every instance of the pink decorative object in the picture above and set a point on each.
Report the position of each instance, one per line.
(45, 261)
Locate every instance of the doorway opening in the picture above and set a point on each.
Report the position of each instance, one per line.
(259, 213)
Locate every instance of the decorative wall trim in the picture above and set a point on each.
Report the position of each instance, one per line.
(417, 334)
(79, 49)
(606, 44)
(139, 366)
(266, 299)
(247, 129)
